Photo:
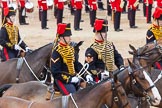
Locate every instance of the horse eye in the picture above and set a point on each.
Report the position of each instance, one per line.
(147, 54)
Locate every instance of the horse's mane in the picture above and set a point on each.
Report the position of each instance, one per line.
(146, 47)
(84, 91)
(36, 50)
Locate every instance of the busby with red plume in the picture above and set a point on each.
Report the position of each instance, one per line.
(63, 29)
(100, 25)
(157, 13)
(9, 11)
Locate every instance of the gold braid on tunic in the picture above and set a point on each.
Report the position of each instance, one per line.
(105, 52)
(67, 53)
(157, 31)
(12, 33)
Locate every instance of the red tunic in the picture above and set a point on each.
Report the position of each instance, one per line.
(59, 4)
(4, 3)
(77, 4)
(131, 4)
(44, 5)
(92, 4)
(115, 4)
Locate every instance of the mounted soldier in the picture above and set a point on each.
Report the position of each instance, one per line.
(102, 54)
(64, 64)
(10, 38)
(155, 32)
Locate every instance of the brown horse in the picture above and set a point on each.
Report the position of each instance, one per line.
(36, 61)
(146, 56)
(135, 79)
(131, 78)
(107, 92)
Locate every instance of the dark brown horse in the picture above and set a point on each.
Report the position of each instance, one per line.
(35, 91)
(135, 79)
(146, 56)
(107, 92)
(36, 61)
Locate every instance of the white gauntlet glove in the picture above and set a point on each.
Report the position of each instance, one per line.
(16, 47)
(27, 49)
(89, 78)
(104, 75)
(74, 79)
(121, 68)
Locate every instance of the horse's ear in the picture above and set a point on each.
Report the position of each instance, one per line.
(133, 48)
(130, 64)
(130, 52)
(79, 43)
(145, 48)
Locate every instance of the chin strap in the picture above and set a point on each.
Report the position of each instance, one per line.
(65, 40)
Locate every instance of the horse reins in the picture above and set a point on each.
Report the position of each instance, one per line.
(136, 83)
(115, 96)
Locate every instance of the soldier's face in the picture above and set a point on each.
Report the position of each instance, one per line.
(67, 38)
(12, 18)
(104, 35)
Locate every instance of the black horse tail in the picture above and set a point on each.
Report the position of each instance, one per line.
(3, 88)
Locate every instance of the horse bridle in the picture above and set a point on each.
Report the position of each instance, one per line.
(145, 55)
(133, 81)
(115, 95)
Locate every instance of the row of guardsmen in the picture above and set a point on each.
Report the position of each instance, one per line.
(114, 8)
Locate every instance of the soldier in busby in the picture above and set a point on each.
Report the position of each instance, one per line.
(10, 38)
(64, 64)
(154, 33)
(102, 54)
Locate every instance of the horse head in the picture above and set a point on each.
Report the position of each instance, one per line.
(146, 55)
(141, 82)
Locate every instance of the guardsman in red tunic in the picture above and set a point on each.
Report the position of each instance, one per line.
(117, 6)
(59, 4)
(148, 9)
(77, 5)
(4, 4)
(22, 12)
(44, 14)
(93, 8)
(132, 6)
(40, 10)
